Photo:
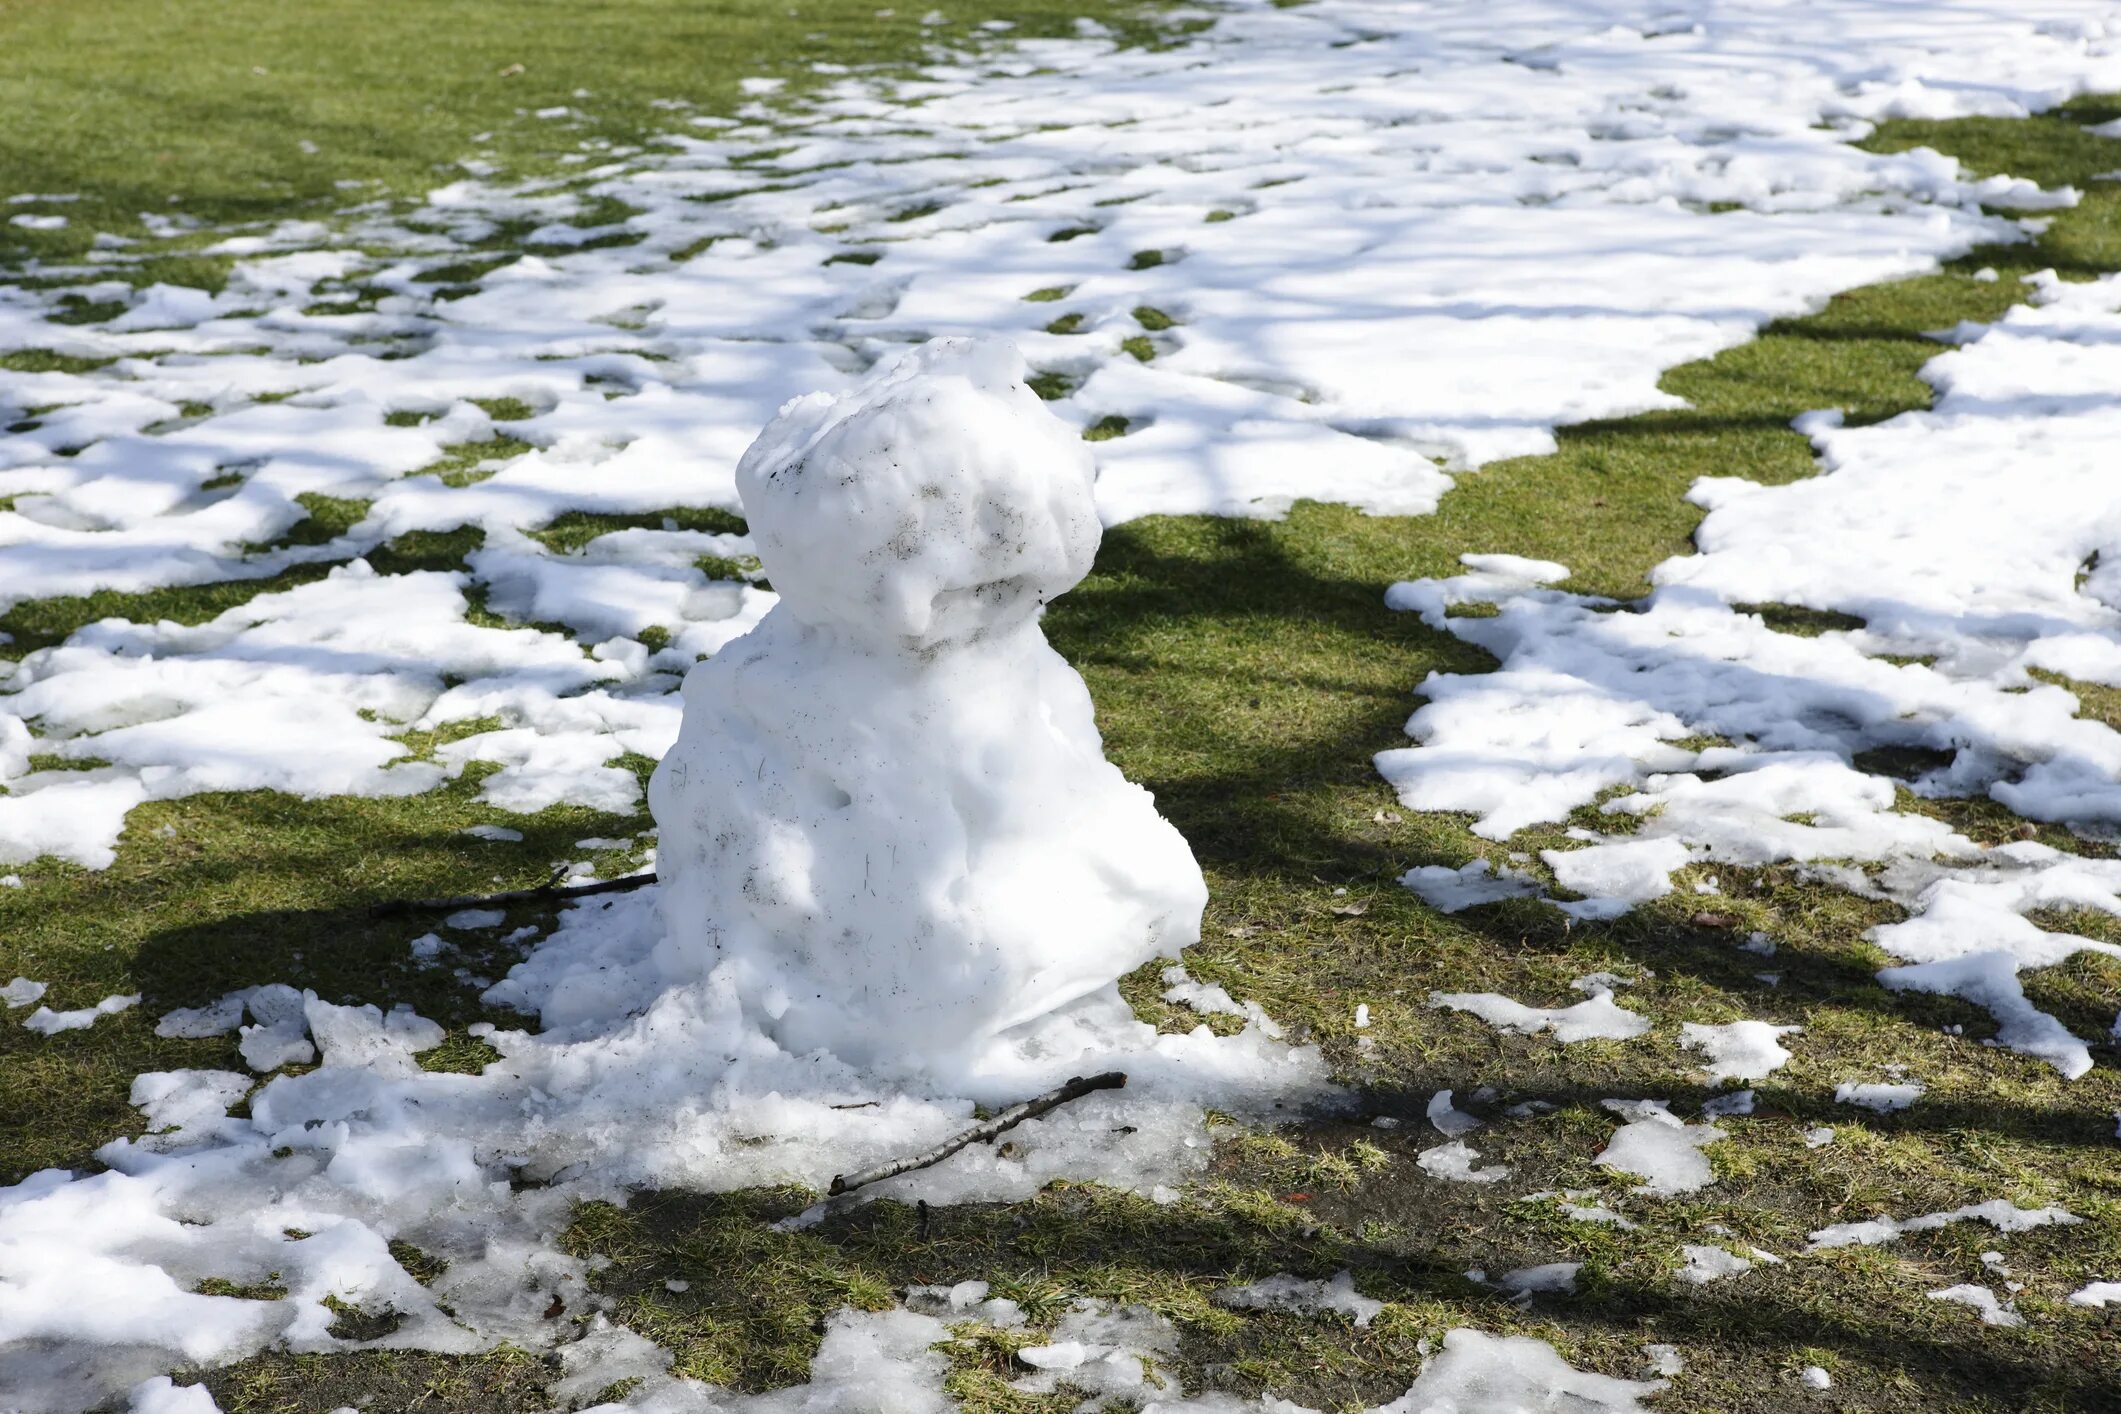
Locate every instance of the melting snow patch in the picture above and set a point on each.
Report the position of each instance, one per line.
(966, 1301)
(1659, 1149)
(1290, 1293)
(1598, 1018)
(1993, 1312)
(1211, 1000)
(1879, 1098)
(2097, 1294)
(1551, 1277)
(51, 1023)
(1458, 1163)
(1742, 1050)
(1813, 1377)
(1455, 890)
(21, 992)
(1999, 1213)
(1615, 876)
(1475, 1373)
(1707, 1264)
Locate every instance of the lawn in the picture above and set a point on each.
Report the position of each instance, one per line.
(1246, 671)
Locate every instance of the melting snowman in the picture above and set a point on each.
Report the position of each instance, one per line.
(888, 820)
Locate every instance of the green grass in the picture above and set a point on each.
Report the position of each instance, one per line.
(1246, 672)
(203, 110)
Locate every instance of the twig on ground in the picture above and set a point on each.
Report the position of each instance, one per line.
(1008, 1119)
(552, 889)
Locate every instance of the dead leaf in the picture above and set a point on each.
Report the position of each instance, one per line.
(1714, 920)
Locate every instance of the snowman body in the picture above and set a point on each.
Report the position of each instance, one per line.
(888, 813)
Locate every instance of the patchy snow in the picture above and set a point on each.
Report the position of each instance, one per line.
(1536, 240)
(1599, 1018)
(1459, 1163)
(1999, 1213)
(1879, 1097)
(1290, 1293)
(1659, 1148)
(1706, 1264)
(1555, 1278)
(1993, 1312)
(1955, 618)
(1741, 1050)
(1814, 1377)
(2097, 1294)
(1469, 886)
(50, 1023)
(21, 992)
(1210, 999)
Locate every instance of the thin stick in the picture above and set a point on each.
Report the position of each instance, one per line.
(1008, 1119)
(539, 894)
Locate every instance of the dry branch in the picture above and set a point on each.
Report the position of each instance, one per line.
(1008, 1119)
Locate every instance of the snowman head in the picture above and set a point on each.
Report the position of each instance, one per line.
(936, 503)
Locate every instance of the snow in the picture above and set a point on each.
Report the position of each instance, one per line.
(1587, 700)
(1879, 1097)
(1290, 1293)
(1537, 242)
(892, 788)
(162, 1395)
(1706, 1264)
(1740, 1050)
(50, 1023)
(1476, 1373)
(1455, 890)
(1598, 1018)
(1547, 1278)
(1211, 1000)
(1993, 1312)
(1457, 1162)
(21, 992)
(2096, 1294)
(1813, 1377)
(1999, 1213)
(1534, 244)
(1659, 1149)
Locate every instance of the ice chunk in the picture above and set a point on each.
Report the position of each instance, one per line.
(1456, 1161)
(1450, 1121)
(216, 1018)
